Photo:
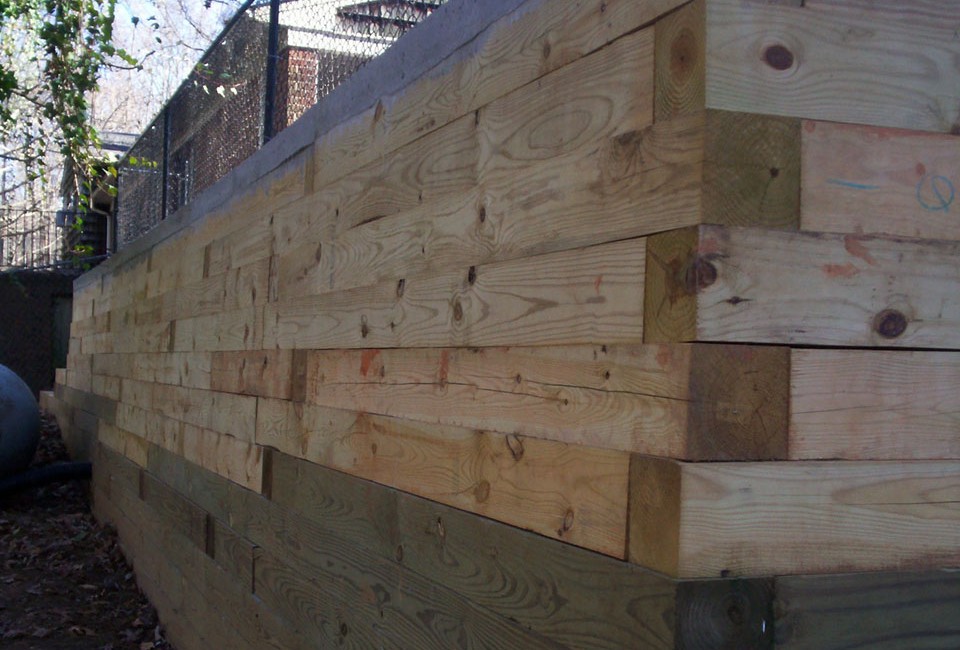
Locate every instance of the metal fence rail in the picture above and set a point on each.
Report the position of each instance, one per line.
(273, 61)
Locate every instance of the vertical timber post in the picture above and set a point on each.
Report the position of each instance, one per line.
(273, 56)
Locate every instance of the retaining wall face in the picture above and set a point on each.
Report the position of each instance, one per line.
(540, 350)
(32, 305)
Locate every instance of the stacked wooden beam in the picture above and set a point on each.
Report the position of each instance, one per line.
(634, 326)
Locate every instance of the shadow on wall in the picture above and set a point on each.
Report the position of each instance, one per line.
(35, 315)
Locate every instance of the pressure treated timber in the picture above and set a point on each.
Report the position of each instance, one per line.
(509, 572)
(884, 611)
(212, 597)
(880, 181)
(441, 164)
(880, 63)
(710, 519)
(505, 569)
(573, 493)
(860, 404)
(699, 402)
(716, 167)
(265, 373)
(123, 442)
(604, 193)
(765, 286)
(226, 413)
(239, 329)
(577, 296)
(509, 54)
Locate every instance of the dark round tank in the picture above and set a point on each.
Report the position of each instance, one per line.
(19, 423)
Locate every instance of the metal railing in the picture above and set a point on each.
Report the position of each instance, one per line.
(273, 61)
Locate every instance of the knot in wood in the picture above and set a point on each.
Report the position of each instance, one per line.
(890, 323)
(515, 445)
(699, 274)
(457, 311)
(482, 492)
(778, 57)
(567, 522)
(683, 54)
(441, 531)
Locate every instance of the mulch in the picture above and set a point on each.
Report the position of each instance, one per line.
(64, 582)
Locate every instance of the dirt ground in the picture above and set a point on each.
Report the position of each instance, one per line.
(63, 581)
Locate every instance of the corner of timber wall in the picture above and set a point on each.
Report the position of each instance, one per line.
(632, 324)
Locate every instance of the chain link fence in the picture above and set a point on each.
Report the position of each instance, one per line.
(273, 61)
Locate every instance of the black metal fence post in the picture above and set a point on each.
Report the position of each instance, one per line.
(165, 163)
(273, 58)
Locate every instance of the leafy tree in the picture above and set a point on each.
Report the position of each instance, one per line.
(52, 53)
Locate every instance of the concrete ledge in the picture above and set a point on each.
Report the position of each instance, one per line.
(451, 34)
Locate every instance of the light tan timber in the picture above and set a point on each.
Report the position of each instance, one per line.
(239, 329)
(441, 164)
(235, 459)
(765, 286)
(793, 518)
(577, 296)
(266, 373)
(123, 442)
(698, 402)
(876, 64)
(511, 53)
(858, 404)
(606, 193)
(573, 493)
(877, 180)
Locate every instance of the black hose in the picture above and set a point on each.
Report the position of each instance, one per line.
(42, 475)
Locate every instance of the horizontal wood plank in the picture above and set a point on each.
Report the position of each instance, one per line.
(797, 517)
(856, 63)
(576, 494)
(880, 181)
(697, 402)
(856, 404)
(760, 286)
(587, 295)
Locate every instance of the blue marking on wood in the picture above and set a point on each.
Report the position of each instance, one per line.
(936, 193)
(851, 184)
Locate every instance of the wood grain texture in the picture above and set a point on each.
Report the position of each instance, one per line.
(680, 61)
(751, 171)
(585, 295)
(401, 607)
(880, 181)
(265, 373)
(805, 517)
(861, 64)
(882, 405)
(307, 480)
(697, 402)
(510, 53)
(569, 596)
(582, 600)
(441, 164)
(576, 494)
(600, 96)
(607, 191)
(883, 611)
(760, 286)
(240, 329)
(217, 605)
